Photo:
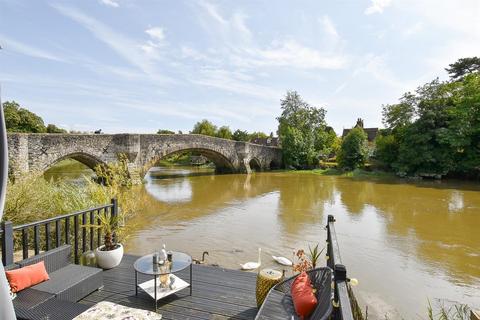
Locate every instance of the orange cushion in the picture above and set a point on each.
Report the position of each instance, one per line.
(304, 299)
(27, 276)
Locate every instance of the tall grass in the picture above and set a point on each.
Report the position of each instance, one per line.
(33, 198)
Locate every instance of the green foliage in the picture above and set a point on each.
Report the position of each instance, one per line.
(354, 150)
(257, 134)
(462, 67)
(224, 132)
(51, 128)
(314, 254)
(240, 135)
(386, 148)
(115, 174)
(205, 127)
(435, 131)
(165, 131)
(303, 132)
(18, 119)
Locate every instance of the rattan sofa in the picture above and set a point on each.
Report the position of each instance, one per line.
(279, 305)
(56, 298)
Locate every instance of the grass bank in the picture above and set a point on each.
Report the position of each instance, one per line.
(357, 173)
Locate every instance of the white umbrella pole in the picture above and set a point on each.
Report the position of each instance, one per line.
(6, 306)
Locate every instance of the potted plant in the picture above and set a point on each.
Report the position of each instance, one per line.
(110, 254)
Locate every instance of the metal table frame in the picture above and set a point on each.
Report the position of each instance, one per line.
(155, 282)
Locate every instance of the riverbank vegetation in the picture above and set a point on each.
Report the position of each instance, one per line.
(32, 198)
(433, 132)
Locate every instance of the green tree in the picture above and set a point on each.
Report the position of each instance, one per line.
(51, 128)
(386, 148)
(297, 148)
(18, 119)
(240, 135)
(310, 132)
(224, 132)
(205, 127)
(462, 67)
(165, 131)
(257, 134)
(354, 150)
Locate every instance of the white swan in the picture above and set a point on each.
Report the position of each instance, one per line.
(283, 260)
(253, 265)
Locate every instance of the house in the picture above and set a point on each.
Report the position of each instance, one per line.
(371, 132)
(269, 141)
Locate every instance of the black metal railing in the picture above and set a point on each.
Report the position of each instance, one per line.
(341, 301)
(73, 228)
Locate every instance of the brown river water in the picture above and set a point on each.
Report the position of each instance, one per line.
(406, 242)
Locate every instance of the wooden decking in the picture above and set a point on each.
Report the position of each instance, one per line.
(217, 293)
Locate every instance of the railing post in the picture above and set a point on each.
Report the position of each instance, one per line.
(7, 243)
(114, 207)
(114, 214)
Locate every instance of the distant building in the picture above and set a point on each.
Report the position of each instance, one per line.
(269, 141)
(371, 132)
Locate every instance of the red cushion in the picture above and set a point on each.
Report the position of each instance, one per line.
(304, 299)
(27, 276)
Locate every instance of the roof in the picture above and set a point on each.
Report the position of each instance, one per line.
(266, 141)
(371, 133)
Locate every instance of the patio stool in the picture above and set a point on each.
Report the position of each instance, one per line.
(266, 279)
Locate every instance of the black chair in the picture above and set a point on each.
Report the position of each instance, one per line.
(279, 304)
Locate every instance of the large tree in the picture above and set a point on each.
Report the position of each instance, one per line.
(51, 128)
(436, 129)
(18, 119)
(354, 150)
(302, 132)
(205, 127)
(240, 135)
(462, 67)
(224, 132)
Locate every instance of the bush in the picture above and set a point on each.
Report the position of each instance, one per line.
(354, 150)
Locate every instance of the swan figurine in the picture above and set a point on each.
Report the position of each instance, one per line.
(283, 260)
(253, 265)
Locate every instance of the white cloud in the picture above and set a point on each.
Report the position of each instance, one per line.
(290, 53)
(329, 27)
(156, 42)
(239, 48)
(234, 82)
(129, 49)
(156, 33)
(28, 50)
(377, 6)
(110, 3)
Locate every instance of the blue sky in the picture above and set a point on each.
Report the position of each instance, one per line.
(137, 66)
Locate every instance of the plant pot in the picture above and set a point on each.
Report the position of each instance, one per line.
(109, 259)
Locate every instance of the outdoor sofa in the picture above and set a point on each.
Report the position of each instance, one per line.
(56, 298)
(279, 305)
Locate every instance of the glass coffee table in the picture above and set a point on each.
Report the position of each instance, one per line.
(164, 282)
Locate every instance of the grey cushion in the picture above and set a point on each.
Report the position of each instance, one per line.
(53, 309)
(72, 282)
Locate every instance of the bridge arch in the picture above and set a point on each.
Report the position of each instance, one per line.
(88, 160)
(222, 163)
(255, 164)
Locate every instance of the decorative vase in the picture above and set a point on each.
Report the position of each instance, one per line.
(109, 259)
(88, 259)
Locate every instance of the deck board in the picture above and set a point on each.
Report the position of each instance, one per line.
(217, 293)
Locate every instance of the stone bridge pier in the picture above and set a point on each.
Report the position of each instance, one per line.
(35, 153)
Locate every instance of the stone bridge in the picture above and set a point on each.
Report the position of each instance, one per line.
(38, 152)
